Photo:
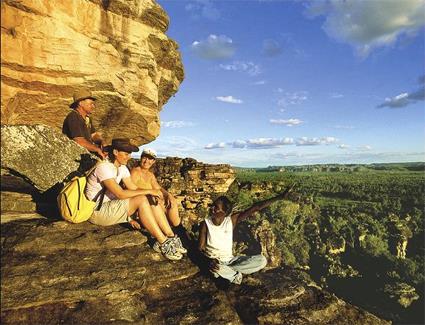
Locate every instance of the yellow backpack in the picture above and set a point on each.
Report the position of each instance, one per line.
(73, 203)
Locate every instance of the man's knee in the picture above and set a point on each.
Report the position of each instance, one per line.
(139, 200)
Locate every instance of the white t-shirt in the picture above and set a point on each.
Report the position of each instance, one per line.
(105, 170)
(220, 239)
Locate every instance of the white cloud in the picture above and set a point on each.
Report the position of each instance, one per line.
(174, 145)
(364, 148)
(238, 144)
(290, 122)
(260, 143)
(304, 141)
(215, 145)
(229, 99)
(369, 24)
(271, 48)
(295, 98)
(343, 146)
(404, 99)
(336, 95)
(214, 47)
(344, 127)
(267, 143)
(259, 83)
(249, 67)
(176, 124)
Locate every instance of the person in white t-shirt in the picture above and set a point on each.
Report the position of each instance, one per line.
(116, 204)
(216, 240)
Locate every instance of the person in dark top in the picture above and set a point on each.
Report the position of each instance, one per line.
(78, 125)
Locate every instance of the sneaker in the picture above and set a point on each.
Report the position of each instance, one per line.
(157, 247)
(169, 250)
(178, 244)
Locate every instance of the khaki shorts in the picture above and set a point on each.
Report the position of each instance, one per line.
(111, 213)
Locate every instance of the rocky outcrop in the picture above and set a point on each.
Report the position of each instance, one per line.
(118, 49)
(56, 272)
(194, 184)
(36, 158)
(401, 292)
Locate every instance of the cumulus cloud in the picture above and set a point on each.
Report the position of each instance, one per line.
(176, 124)
(229, 99)
(404, 99)
(215, 145)
(343, 146)
(268, 143)
(288, 99)
(304, 141)
(290, 122)
(259, 82)
(367, 24)
(271, 48)
(249, 67)
(214, 47)
(260, 143)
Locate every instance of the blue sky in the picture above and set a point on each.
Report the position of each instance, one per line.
(297, 82)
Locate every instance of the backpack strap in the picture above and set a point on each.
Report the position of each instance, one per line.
(102, 195)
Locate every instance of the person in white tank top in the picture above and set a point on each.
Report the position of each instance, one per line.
(216, 239)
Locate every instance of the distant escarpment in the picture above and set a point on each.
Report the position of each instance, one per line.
(118, 49)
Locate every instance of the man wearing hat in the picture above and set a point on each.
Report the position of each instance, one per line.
(78, 125)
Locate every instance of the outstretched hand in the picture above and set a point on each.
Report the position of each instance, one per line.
(285, 193)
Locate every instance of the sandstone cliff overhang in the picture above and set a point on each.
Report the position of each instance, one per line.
(118, 49)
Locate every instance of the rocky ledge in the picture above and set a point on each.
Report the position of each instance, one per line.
(118, 49)
(54, 272)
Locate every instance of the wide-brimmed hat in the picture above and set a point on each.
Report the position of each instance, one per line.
(122, 144)
(80, 95)
(148, 152)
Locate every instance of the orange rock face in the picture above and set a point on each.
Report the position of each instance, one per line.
(118, 49)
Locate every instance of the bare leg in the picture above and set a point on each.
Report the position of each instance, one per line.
(161, 220)
(173, 212)
(141, 204)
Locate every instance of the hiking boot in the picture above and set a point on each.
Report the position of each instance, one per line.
(178, 244)
(169, 250)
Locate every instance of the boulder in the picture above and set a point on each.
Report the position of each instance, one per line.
(39, 156)
(61, 273)
(118, 49)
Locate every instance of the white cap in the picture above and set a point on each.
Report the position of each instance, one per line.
(148, 152)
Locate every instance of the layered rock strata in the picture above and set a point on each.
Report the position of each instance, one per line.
(194, 184)
(56, 272)
(118, 49)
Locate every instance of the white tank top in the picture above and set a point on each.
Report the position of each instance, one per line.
(220, 239)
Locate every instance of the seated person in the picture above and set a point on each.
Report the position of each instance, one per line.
(117, 205)
(78, 125)
(163, 208)
(216, 240)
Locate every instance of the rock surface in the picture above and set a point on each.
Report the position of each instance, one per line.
(56, 272)
(118, 49)
(194, 184)
(40, 156)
